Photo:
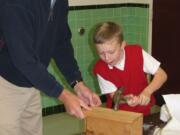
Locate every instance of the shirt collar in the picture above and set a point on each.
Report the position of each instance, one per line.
(53, 3)
(120, 64)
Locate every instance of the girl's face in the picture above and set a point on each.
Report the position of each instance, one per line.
(110, 52)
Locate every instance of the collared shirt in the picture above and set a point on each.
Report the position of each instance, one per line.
(150, 66)
(52, 3)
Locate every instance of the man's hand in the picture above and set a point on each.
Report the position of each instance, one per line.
(73, 104)
(87, 95)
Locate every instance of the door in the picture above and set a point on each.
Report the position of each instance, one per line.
(166, 44)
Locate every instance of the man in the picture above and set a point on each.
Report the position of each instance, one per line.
(31, 33)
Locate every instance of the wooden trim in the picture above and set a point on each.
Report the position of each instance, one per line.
(100, 2)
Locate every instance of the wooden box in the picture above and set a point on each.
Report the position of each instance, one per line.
(104, 121)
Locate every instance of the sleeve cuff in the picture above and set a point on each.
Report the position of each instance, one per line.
(74, 82)
(56, 91)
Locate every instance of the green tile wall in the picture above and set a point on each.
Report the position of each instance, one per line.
(134, 21)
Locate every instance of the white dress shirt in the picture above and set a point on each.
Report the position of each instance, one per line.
(150, 66)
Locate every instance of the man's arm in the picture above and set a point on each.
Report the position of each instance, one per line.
(17, 28)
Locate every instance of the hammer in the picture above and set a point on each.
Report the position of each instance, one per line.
(118, 98)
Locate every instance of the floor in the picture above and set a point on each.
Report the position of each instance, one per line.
(62, 124)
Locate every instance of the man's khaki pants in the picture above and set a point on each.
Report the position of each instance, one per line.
(20, 110)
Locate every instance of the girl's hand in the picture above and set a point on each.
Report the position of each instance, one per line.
(132, 100)
(144, 98)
